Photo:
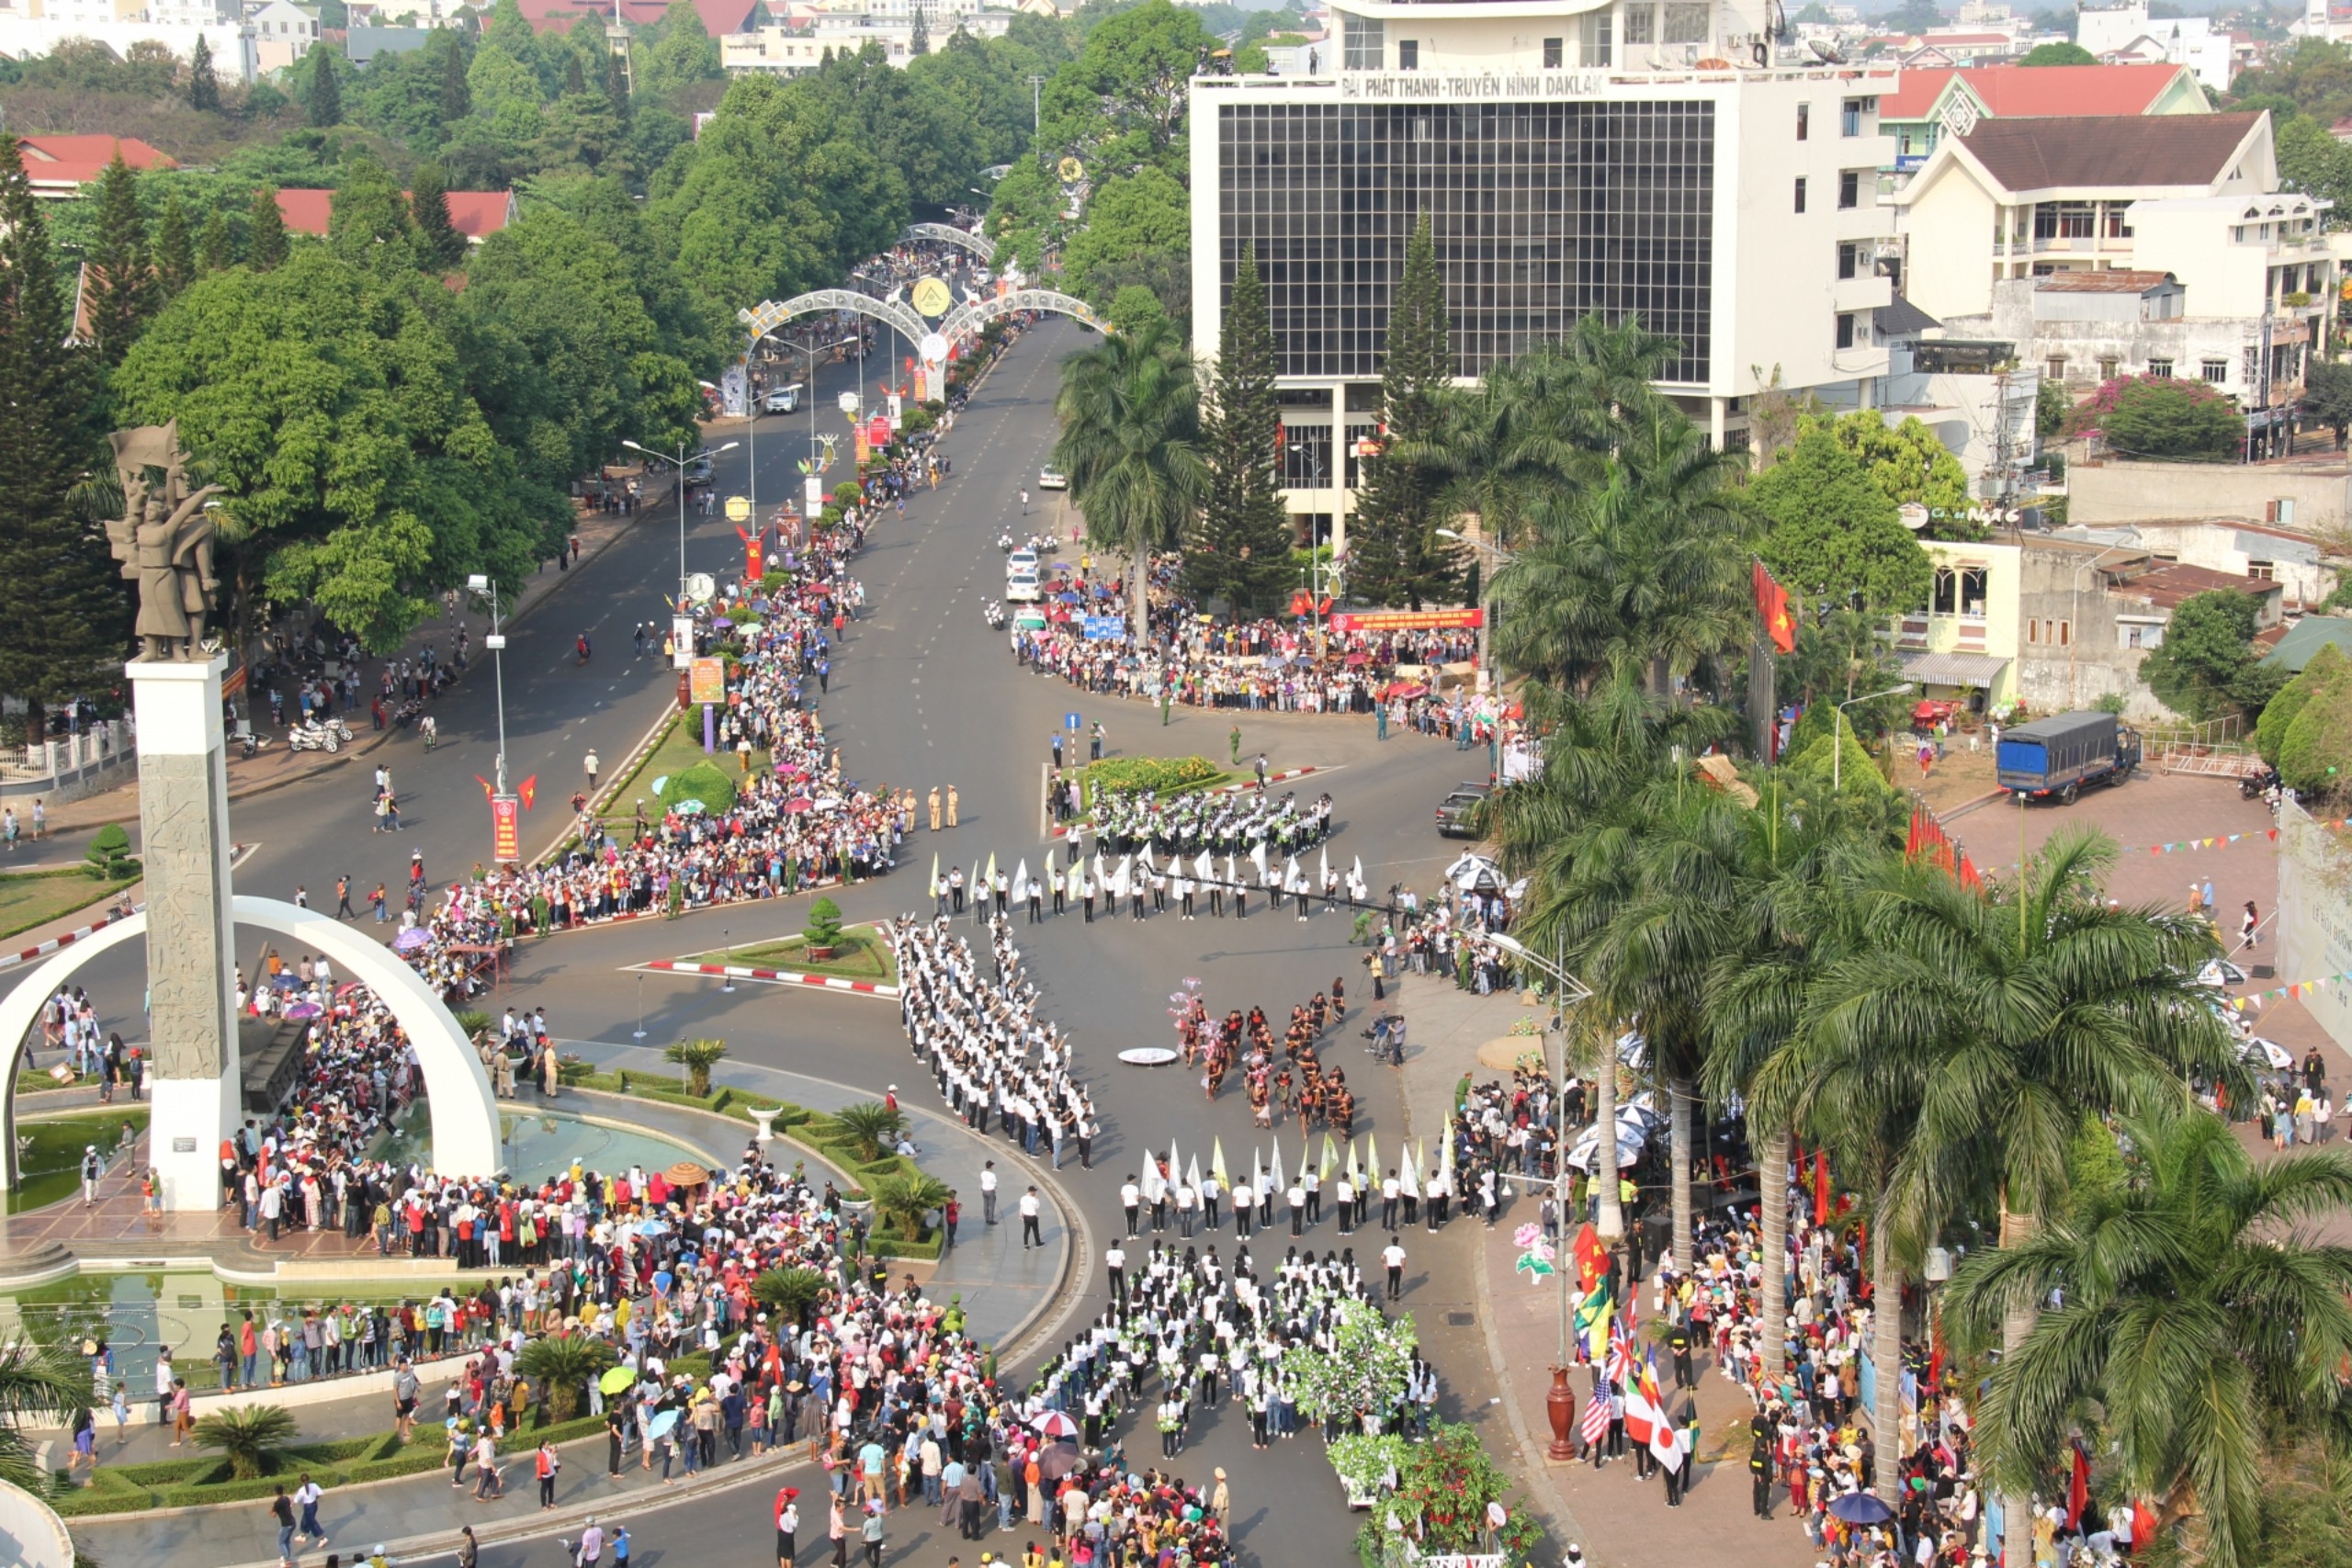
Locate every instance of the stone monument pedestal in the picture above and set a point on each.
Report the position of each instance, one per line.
(184, 824)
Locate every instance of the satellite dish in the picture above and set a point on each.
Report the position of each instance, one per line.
(1828, 53)
(1914, 515)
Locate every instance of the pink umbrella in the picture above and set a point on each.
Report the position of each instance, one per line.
(1055, 1423)
(798, 804)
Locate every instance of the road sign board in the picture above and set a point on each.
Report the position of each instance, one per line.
(1069, 722)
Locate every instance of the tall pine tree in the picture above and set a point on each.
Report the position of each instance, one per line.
(175, 250)
(216, 248)
(919, 36)
(322, 99)
(1394, 554)
(438, 243)
(122, 289)
(63, 616)
(1241, 551)
(203, 80)
(457, 96)
(266, 248)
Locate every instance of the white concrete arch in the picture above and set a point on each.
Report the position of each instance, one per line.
(465, 1114)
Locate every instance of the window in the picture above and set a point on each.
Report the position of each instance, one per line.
(2055, 367)
(2281, 512)
(1554, 53)
(2108, 366)
(1408, 54)
(2033, 629)
(1804, 112)
(2119, 220)
(1799, 193)
(1850, 189)
(1686, 21)
(2063, 220)
(2214, 370)
(2066, 634)
(1959, 589)
(2160, 367)
(1849, 260)
(1641, 25)
(1849, 333)
(1365, 41)
(1850, 117)
(1596, 33)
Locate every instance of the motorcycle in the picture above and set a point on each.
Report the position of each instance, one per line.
(2256, 784)
(249, 745)
(313, 737)
(1004, 544)
(993, 614)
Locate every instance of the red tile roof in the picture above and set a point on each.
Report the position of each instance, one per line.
(2015, 91)
(2110, 280)
(2166, 586)
(718, 16)
(58, 162)
(476, 214)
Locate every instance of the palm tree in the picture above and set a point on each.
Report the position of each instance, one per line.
(1130, 413)
(35, 1384)
(790, 1293)
(564, 1364)
(904, 1200)
(871, 1126)
(697, 1056)
(2198, 1315)
(254, 1437)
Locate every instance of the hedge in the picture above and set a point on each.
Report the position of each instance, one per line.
(1163, 774)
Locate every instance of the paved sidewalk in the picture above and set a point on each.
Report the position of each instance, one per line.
(1616, 1519)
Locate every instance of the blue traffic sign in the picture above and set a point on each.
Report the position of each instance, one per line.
(1069, 722)
(1105, 628)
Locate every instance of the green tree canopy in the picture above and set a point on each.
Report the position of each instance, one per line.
(2202, 668)
(2278, 714)
(1239, 551)
(2059, 54)
(1129, 217)
(1834, 535)
(1909, 464)
(2161, 417)
(2315, 753)
(1130, 443)
(1395, 555)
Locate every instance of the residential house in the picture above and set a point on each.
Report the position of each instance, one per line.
(2291, 648)
(2264, 552)
(2195, 196)
(1928, 103)
(283, 31)
(58, 166)
(1964, 644)
(476, 214)
(2127, 32)
(364, 44)
(1977, 395)
(720, 18)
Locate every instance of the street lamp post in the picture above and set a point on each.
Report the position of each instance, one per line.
(751, 424)
(496, 643)
(1499, 556)
(1838, 733)
(679, 463)
(1560, 1404)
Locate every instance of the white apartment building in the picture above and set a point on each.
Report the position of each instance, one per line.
(1619, 156)
(2132, 244)
(2127, 32)
(802, 44)
(37, 27)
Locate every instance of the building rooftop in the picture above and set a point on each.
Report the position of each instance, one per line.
(2110, 150)
(476, 214)
(2019, 91)
(720, 18)
(2303, 641)
(60, 166)
(2114, 280)
(2166, 585)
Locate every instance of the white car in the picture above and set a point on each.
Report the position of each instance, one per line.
(1023, 588)
(1052, 479)
(1021, 561)
(783, 399)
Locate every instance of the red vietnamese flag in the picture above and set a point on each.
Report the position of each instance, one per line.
(1772, 605)
(529, 791)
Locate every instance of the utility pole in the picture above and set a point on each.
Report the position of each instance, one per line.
(1037, 113)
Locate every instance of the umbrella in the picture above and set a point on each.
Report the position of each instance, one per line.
(1405, 689)
(829, 803)
(653, 1228)
(304, 1009)
(1058, 1459)
(686, 1173)
(688, 807)
(1356, 658)
(723, 624)
(1860, 1508)
(412, 939)
(663, 1422)
(798, 804)
(1055, 1423)
(617, 1379)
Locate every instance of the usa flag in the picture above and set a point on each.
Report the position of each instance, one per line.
(1596, 1418)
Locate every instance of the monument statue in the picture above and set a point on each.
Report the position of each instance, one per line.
(164, 540)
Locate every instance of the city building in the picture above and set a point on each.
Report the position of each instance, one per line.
(58, 166)
(2090, 613)
(1977, 395)
(1962, 645)
(2127, 32)
(2123, 244)
(803, 42)
(1670, 159)
(34, 28)
(1926, 103)
(283, 33)
(2263, 552)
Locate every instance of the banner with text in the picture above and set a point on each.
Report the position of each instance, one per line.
(1347, 621)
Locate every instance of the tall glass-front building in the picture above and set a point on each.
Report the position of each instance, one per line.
(1663, 158)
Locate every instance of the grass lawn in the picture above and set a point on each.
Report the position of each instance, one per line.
(861, 954)
(52, 1156)
(39, 897)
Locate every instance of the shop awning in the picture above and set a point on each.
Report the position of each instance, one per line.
(1952, 669)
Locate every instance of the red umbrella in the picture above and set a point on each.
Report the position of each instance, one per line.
(1055, 1423)
(797, 805)
(1355, 658)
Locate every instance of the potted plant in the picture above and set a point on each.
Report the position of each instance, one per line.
(823, 932)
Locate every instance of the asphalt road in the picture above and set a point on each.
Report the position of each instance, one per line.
(924, 694)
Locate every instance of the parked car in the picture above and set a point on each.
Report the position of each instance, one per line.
(1457, 814)
(1052, 479)
(783, 399)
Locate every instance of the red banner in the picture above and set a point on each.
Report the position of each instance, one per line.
(1406, 620)
(754, 558)
(505, 829)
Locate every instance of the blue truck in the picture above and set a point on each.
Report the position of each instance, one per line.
(2064, 754)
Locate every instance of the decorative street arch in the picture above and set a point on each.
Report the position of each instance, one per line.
(972, 317)
(771, 314)
(948, 234)
(465, 1115)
